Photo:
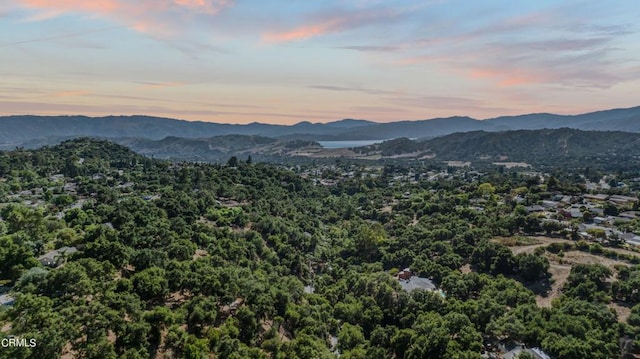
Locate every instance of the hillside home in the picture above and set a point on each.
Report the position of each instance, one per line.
(623, 200)
(572, 212)
(534, 208)
(631, 238)
(57, 257)
(536, 353)
(629, 215)
(596, 197)
(405, 274)
(6, 300)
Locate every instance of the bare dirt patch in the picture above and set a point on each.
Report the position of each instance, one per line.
(68, 352)
(560, 267)
(458, 163)
(575, 257)
(528, 244)
(466, 269)
(175, 299)
(199, 254)
(283, 334)
(559, 274)
(333, 152)
(6, 327)
(111, 337)
(623, 310)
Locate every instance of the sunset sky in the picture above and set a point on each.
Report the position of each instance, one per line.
(319, 61)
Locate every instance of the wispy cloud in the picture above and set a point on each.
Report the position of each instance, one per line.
(354, 89)
(378, 109)
(148, 16)
(334, 21)
(71, 93)
(567, 62)
(448, 103)
(46, 108)
(370, 48)
(158, 85)
(58, 37)
(540, 48)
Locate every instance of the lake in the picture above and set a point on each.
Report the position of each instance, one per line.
(348, 144)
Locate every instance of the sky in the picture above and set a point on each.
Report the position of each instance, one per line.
(288, 61)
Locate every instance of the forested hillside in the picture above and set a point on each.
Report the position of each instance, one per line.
(246, 260)
(556, 148)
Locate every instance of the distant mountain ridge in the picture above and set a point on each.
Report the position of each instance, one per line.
(31, 131)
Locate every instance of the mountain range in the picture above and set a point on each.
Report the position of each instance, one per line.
(34, 131)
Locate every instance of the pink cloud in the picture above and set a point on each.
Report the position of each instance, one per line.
(208, 6)
(98, 6)
(149, 16)
(71, 93)
(517, 80)
(304, 32)
(506, 77)
(159, 85)
(332, 23)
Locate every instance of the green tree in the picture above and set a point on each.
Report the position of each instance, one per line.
(233, 161)
(350, 336)
(151, 283)
(532, 267)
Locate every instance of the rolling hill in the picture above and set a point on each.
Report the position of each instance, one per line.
(536, 147)
(34, 131)
(547, 146)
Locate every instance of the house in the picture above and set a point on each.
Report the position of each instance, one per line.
(608, 232)
(622, 200)
(566, 199)
(70, 188)
(534, 208)
(513, 351)
(572, 212)
(596, 197)
(411, 282)
(6, 300)
(600, 220)
(232, 307)
(416, 282)
(628, 214)
(405, 274)
(631, 238)
(57, 257)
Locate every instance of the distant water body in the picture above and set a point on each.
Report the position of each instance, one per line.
(348, 144)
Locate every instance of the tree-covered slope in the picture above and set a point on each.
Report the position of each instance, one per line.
(525, 145)
(193, 260)
(548, 147)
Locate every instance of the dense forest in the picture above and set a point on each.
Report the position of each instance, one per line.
(250, 260)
